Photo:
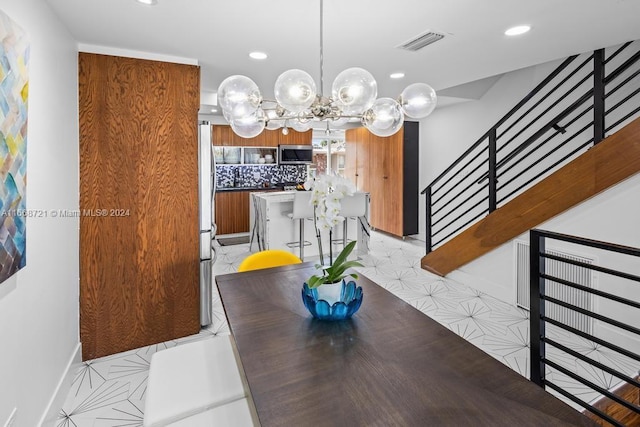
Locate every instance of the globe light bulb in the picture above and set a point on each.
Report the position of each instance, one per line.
(274, 124)
(249, 126)
(295, 90)
(238, 96)
(300, 126)
(384, 118)
(418, 100)
(354, 90)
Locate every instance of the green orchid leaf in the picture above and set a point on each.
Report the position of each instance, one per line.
(345, 253)
(337, 271)
(314, 281)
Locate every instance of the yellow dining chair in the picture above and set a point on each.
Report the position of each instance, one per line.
(268, 258)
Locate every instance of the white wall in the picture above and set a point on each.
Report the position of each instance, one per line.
(450, 130)
(39, 305)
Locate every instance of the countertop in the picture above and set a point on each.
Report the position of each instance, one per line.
(256, 188)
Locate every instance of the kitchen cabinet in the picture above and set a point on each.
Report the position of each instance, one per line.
(294, 137)
(232, 212)
(387, 168)
(223, 135)
(267, 138)
(236, 156)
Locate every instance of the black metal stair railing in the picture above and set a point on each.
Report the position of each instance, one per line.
(553, 347)
(586, 98)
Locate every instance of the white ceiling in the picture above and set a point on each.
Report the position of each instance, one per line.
(364, 33)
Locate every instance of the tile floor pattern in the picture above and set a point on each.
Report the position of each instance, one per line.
(110, 391)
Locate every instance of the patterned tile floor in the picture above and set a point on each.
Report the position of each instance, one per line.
(110, 391)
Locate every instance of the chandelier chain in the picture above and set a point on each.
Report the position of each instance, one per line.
(321, 48)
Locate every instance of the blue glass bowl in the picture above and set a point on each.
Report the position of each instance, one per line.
(349, 303)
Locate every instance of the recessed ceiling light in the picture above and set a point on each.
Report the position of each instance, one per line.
(515, 31)
(258, 55)
(148, 2)
(214, 110)
(396, 75)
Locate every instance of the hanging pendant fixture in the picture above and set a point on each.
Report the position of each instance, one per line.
(298, 102)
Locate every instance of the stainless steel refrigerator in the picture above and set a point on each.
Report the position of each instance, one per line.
(206, 195)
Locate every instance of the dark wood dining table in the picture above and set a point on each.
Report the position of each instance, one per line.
(389, 365)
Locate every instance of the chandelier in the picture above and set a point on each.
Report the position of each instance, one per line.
(299, 104)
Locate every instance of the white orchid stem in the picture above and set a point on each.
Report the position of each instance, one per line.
(315, 225)
(330, 247)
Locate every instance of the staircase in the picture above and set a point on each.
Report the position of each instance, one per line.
(575, 135)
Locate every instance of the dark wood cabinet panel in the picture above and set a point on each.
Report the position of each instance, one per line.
(410, 177)
(271, 137)
(357, 157)
(351, 155)
(295, 137)
(387, 168)
(224, 135)
(378, 175)
(258, 141)
(139, 265)
(232, 212)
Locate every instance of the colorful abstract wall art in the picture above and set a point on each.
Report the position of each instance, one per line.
(14, 91)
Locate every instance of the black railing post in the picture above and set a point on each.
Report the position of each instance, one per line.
(493, 174)
(598, 96)
(427, 231)
(536, 307)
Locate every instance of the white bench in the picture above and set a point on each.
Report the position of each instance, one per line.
(234, 414)
(192, 378)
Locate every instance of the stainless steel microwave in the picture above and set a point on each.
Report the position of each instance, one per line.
(295, 154)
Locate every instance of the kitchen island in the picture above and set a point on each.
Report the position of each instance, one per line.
(271, 227)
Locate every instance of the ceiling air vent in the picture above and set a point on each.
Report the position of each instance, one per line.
(421, 41)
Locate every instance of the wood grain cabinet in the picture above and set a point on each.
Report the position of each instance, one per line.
(387, 168)
(223, 135)
(294, 137)
(232, 212)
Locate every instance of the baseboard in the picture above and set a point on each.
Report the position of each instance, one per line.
(62, 389)
(503, 294)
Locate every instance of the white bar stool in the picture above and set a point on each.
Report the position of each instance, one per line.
(191, 378)
(353, 206)
(302, 210)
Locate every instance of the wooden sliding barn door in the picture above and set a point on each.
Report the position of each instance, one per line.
(139, 255)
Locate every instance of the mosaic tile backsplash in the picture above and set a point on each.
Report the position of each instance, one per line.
(256, 176)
